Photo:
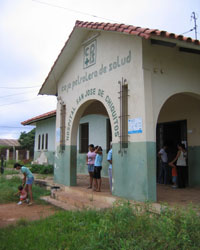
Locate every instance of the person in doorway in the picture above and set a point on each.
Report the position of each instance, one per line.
(164, 168)
(98, 168)
(90, 159)
(174, 175)
(181, 164)
(109, 159)
(28, 180)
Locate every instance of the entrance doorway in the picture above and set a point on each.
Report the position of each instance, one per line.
(171, 133)
(91, 126)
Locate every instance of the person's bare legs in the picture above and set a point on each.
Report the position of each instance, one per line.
(95, 184)
(29, 186)
(98, 185)
(91, 179)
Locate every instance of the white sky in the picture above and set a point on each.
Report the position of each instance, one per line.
(33, 33)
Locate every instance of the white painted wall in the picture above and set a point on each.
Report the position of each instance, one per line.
(110, 46)
(167, 71)
(46, 126)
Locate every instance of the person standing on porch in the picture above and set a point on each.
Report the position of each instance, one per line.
(98, 168)
(109, 159)
(90, 159)
(164, 168)
(181, 164)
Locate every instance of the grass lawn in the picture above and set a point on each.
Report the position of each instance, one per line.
(9, 187)
(122, 227)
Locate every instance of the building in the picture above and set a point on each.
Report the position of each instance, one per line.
(146, 81)
(44, 147)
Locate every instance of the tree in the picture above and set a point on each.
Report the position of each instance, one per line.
(26, 140)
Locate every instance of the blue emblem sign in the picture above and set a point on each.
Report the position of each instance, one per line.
(89, 57)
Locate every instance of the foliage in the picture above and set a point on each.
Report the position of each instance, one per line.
(26, 140)
(123, 227)
(8, 187)
(42, 169)
(9, 171)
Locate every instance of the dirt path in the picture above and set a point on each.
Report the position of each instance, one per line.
(11, 213)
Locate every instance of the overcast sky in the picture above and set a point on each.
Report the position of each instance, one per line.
(32, 33)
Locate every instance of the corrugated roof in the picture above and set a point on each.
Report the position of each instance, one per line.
(9, 142)
(39, 117)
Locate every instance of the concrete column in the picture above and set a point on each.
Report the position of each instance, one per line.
(27, 155)
(7, 154)
(17, 155)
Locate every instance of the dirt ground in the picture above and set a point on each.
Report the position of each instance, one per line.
(11, 213)
(180, 197)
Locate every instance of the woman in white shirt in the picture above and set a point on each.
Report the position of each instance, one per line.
(181, 164)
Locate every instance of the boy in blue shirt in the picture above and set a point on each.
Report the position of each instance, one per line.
(97, 168)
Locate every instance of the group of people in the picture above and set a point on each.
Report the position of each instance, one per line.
(94, 160)
(176, 168)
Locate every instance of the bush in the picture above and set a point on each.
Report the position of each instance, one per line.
(41, 169)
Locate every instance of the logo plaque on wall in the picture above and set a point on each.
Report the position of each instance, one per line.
(89, 57)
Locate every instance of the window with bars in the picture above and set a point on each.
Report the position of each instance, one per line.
(39, 141)
(84, 137)
(46, 141)
(42, 141)
(123, 114)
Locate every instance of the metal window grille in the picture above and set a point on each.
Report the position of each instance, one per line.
(123, 113)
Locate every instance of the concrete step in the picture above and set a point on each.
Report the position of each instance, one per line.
(80, 201)
(104, 197)
(58, 203)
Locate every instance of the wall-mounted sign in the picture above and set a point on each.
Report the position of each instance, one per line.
(89, 57)
(135, 126)
(57, 134)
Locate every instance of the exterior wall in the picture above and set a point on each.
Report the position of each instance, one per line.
(79, 87)
(46, 126)
(97, 136)
(167, 72)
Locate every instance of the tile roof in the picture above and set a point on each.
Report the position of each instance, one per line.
(134, 30)
(9, 142)
(39, 117)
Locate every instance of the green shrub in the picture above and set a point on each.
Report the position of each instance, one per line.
(41, 169)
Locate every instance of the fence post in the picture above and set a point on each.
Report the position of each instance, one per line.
(27, 155)
(17, 155)
(7, 154)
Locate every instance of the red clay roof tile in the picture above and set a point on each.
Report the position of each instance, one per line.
(39, 117)
(130, 29)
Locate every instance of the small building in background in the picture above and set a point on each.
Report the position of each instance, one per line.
(9, 148)
(44, 146)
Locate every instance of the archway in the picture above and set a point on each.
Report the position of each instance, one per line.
(91, 125)
(179, 121)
